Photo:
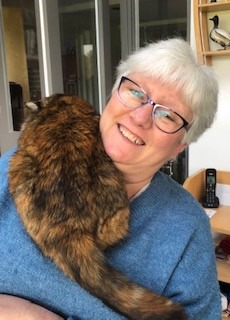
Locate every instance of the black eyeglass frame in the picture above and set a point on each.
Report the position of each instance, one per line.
(154, 104)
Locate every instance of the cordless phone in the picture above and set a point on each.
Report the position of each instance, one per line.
(210, 200)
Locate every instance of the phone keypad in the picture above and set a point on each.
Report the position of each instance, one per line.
(210, 197)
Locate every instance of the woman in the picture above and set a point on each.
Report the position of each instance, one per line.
(162, 101)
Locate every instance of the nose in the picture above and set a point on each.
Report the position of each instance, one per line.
(142, 116)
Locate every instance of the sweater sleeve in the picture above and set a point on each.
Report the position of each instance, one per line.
(194, 280)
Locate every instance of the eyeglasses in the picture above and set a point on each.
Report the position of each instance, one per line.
(133, 96)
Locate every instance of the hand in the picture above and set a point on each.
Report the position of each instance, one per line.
(14, 308)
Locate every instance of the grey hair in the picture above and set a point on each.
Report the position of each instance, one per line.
(173, 63)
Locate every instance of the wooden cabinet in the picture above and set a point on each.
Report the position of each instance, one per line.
(202, 8)
(220, 222)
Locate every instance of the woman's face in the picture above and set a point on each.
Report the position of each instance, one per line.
(130, 137)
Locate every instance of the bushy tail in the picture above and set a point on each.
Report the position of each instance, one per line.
(115, 289)
(132, 300)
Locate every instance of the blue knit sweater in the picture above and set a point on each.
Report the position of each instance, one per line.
(169, 250)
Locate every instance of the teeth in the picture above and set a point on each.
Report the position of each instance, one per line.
(127, 134)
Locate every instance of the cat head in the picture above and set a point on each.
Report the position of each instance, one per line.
(39, 104)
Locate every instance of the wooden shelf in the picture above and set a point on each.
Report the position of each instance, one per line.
(201, 9)
(220, 221)
(214, 6)
(216, 53)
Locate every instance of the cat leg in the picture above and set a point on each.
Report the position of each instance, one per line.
(113, 229)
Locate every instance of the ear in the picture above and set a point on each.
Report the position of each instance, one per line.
(32, 105)
(178, 150)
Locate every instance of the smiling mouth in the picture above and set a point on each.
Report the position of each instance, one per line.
(130, 136)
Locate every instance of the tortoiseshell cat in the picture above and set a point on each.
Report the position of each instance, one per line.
(73, 203)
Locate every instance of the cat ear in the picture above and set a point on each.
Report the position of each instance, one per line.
(36, 105)
(32, 105)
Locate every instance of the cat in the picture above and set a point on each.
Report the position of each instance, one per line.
(73, 203)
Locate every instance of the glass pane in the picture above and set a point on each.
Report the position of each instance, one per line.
(115, 34)
(78, 45)
(21, 56)
(162, 18)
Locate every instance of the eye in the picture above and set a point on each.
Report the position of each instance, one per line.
(165, 114)
(137, 93)
(138, 96)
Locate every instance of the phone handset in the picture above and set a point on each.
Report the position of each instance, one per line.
(210, 199)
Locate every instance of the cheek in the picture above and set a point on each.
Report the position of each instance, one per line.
(107, 125)
(165, 144)
(109, 115)
(105, 122)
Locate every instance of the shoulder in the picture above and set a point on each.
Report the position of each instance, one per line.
(166, 197)
(162, 182)
(166, 208)
(6, 203)
(4, 166)
(4, 159)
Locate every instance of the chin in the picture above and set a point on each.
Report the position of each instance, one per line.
(115, 154)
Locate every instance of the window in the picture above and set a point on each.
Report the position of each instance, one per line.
(20, 38)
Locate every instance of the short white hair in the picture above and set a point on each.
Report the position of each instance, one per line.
(173, 63)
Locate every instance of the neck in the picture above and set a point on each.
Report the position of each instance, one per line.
(135, 182)
(135, 178)
(134, 188)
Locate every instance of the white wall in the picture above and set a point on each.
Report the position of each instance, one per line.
(212, 150)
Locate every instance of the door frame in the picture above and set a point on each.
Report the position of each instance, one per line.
(49, 53)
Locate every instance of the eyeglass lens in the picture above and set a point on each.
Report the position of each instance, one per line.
(133, 96)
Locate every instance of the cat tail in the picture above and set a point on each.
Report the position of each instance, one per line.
(115, 289)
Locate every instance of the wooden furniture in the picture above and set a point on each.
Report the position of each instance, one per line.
(220, 222)
(201, 10)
